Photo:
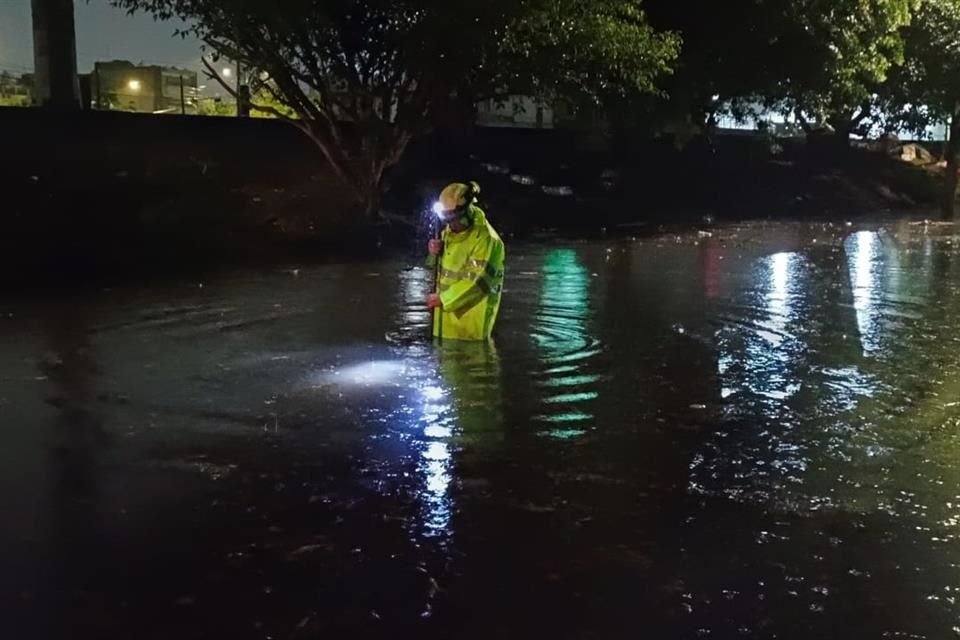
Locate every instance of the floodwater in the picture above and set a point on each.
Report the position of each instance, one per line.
(748, 433)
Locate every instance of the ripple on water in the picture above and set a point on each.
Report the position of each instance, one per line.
(565, 346)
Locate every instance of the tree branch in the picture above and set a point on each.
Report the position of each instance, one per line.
(801, 119)
(212, 73)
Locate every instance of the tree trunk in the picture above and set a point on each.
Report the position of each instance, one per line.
(364, 176)
(949, 203)
(802, 121)
(842, 128)
(845, 124)
(841, 137)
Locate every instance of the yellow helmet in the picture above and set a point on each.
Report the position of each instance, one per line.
(459, 195)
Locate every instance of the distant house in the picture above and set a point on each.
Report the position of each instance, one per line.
(123, 86)
(516, 111)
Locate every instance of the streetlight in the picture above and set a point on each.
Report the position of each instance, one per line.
(227, 72)
(134, 85)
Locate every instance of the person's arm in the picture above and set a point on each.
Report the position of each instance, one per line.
(481, 279)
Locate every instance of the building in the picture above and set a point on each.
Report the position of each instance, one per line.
(124, 86)
(517, 112)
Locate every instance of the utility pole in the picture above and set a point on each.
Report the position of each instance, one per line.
(96, 79)
(183, 101)
(242, 98)
(56, 84)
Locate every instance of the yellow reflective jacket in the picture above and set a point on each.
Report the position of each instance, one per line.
(470, 281)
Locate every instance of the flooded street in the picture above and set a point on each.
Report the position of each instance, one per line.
(749, 433)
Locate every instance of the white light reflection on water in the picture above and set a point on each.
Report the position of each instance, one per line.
(864, 256)
(415, 285)
(778, 298)
(364, 374)
(755, 453)
(432, 393)
(423, 407)
(435, 461)
(767, 360)
(784, 276)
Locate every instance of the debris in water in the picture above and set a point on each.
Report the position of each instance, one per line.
(309, 549)
(537, 508)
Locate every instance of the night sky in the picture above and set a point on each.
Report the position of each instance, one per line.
(103, 33)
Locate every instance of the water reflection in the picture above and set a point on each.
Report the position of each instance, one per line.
(564, 343)
(712, 269)
(413, 319)
(779, 297)
(827, 479)
(769, 346)
(71, 368)
(761, 351)
(864, 256)
(436, 470)
(434, 466)
(795, 395)
(463, 405)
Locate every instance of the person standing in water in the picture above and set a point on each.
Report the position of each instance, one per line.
(469, 256)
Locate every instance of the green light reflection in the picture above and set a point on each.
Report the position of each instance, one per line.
(562, 337)
(563, 434)
(568, 398)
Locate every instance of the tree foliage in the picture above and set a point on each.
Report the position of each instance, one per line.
(13, 91)
(823, 61)
(725, 60)
(365, 76)
(834, 57)
(925, 90)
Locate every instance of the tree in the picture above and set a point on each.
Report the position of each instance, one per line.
(14, 101)
(215, 107)
(834, 57)
(926, 89)
(366, 76)
(819, 61)
(725, 58)
(13, 92)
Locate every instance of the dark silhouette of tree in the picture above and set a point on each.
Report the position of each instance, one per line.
(925, 90)
(366, 76)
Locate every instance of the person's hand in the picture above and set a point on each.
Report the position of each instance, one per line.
(435, 247)
(433, 302)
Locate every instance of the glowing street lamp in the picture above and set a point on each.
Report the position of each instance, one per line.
(134, 85)
(227, 72)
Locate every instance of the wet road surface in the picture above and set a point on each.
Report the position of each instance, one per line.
(748, 433)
